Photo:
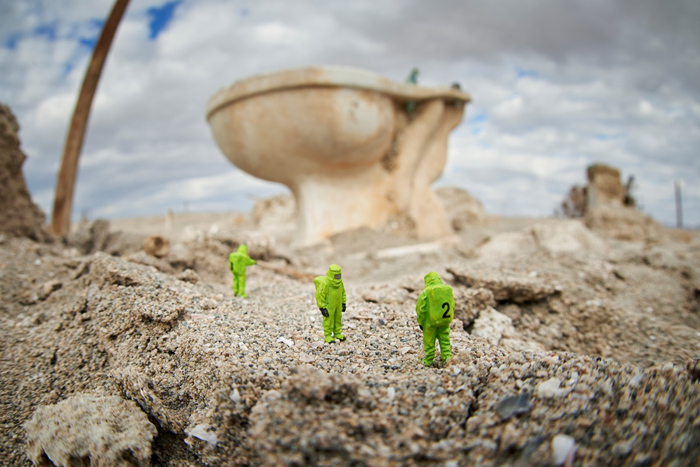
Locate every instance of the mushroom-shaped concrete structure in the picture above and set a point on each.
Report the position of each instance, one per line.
(344, 142)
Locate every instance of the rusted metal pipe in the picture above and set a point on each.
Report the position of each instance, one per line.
(65, 183)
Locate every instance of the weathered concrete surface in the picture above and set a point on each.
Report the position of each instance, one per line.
(90, 430)
(342, 140)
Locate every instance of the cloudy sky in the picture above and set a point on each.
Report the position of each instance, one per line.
(556, 85)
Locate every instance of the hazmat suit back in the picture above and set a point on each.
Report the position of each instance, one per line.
(435, 312)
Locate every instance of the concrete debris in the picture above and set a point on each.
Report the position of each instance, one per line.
(492, 326)
(463, 210)
(504, 287)
(623, 223)
(557, 237)
(514, 405)
(157, 246)
(90, 430)
(203, 432)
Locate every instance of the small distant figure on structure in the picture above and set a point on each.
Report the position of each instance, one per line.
(237, 263)
(330, 298)
(412, 79)
(456, 86)
(435, 310)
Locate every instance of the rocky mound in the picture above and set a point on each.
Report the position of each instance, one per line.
(462, 208)
(622, 223)
(19, 216)
(228, 381)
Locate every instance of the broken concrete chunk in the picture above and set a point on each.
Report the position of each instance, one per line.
(146, 259)
(90, 236)
(157, 245)
(552, 238)
(470, 302)
(90, 430)
(462, 208)
(48, 288)
(492, 326)
(189, 275)
(514, 405)
(567, 237)
(386, 293)
(504, 288)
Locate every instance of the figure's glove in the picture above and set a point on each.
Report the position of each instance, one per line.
(324, 312)
(420, 326)
(343, 307)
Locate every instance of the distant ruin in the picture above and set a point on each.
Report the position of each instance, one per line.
(605, 187)
(344, 142)
(608, 206)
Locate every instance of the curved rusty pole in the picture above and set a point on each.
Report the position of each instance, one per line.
(65, 184)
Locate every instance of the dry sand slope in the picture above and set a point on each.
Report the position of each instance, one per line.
(568, 348)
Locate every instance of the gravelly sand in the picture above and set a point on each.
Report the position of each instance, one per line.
(596, 345)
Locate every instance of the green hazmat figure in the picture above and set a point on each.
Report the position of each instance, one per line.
(238, 261)
(412, 79)
(435, 310)
(330, 298)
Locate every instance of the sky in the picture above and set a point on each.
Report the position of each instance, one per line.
(556, 86)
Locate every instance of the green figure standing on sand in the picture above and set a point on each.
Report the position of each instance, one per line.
(330, 298)
(238, 261)
(435, 310)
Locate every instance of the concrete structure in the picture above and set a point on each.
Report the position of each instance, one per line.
(605, 187)
(344, 142)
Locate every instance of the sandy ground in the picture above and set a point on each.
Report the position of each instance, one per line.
(569, 348)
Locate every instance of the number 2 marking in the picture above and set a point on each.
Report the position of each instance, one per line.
(447, 312)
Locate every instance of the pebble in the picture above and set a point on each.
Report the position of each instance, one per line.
(286, 341)
(204, 432)
(514, 405)
(563, 449)
(306, 358)
(550, 389)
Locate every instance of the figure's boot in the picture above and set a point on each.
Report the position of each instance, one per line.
(443, 337)
(338, 324)
(429, 344)
(328, 329)
(241, 286)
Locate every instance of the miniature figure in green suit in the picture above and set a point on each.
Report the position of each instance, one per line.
(435, 310)
(237, 263)
(412, 79)
(330, 298)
